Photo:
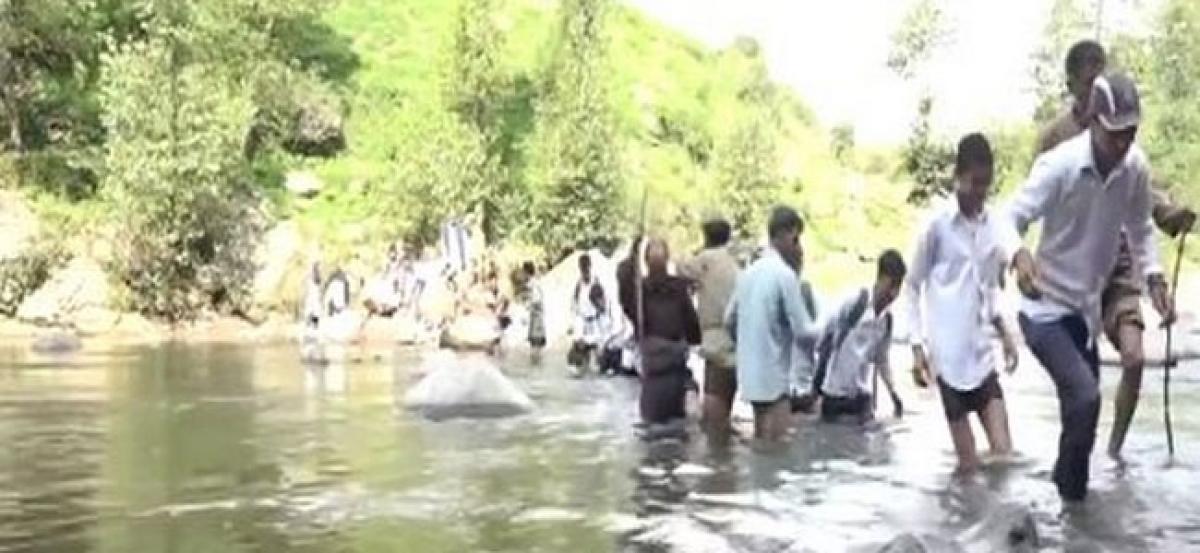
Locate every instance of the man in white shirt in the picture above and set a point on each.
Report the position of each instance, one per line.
(953, 292)
(1085, 191)
(858, 338)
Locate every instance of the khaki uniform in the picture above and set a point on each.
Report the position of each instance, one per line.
(715, 271)
(1121, 299)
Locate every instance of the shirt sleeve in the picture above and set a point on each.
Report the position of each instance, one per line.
(922, 263)
(690, 269)
(730, 318)
(882, 359)
(1139, 225)
(1030, 202)
(798, 317)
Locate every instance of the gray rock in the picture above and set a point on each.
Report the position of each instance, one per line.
(318, 130)
(470, 387)
(471, 333)
(923, 543)
(304, 184)
(79, 288)
(904, 543)
(56, 343)
(18, 225)
(1009, 527)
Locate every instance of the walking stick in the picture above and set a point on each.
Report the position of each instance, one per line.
(635, 255)
(1168, 361)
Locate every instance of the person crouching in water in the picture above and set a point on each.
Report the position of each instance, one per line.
(593, 322)
(668, 327)
(860, 334)
(954, 283)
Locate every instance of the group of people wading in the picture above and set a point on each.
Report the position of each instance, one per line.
(1090, 188)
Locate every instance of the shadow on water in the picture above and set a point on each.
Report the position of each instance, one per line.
(240, 449)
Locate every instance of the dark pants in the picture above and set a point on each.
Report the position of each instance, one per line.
(663, 395)
(833, 407)
(1063, 348)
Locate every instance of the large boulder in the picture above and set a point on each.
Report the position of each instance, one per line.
(471, 333)
(468, 387)
(76, 296)
(22, 268)
(318, 130)
(282, 268)
(18, 225)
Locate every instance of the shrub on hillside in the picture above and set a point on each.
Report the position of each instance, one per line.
(178, 183)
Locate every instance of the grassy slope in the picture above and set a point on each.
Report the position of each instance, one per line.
(656, 74)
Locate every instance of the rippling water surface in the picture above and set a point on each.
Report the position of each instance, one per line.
(234, 449)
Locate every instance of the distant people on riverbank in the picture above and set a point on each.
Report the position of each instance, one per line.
(536, 306)
(854, 347)
(313, 296)
(593, 319)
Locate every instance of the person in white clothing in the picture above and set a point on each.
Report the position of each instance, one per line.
(855, 345)
(1086, 191)
(953, 293)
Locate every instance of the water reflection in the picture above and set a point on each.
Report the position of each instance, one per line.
(242, 449)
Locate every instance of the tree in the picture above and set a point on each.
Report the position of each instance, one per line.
(926, 160)
(177, 181)
(476, 91)
(574, 157)
(1170, 96)
(920, 33)
(1067, 23)
(748, 174)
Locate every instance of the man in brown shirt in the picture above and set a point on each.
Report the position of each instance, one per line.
(1121, 299)
(667, 326)
(713, 273)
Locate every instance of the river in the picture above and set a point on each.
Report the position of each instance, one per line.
(239, 449)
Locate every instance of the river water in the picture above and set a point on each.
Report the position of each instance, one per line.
(239, 449)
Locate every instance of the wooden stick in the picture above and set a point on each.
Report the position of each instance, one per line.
(1168, 360)
(636, 256)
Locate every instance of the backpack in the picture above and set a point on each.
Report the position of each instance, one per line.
(831, 340)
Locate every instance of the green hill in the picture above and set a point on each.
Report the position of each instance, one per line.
(677, 107)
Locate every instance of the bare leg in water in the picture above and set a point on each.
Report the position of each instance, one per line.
(1133, 361)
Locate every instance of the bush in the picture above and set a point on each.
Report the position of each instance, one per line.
(178, 183)
(24, 274)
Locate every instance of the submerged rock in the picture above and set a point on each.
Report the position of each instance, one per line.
(80, 287)
(57, 343)
(912, 543)
(471, 387)
(1010, 527)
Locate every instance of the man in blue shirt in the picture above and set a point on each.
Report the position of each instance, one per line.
(765, 317)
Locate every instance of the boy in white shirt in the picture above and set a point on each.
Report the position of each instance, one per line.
(954, 283)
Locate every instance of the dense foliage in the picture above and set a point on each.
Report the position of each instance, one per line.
(170, 125)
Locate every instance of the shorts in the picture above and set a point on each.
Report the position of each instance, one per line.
(958, 404)
(833, 407)
(1121, 304)
(762, 408)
